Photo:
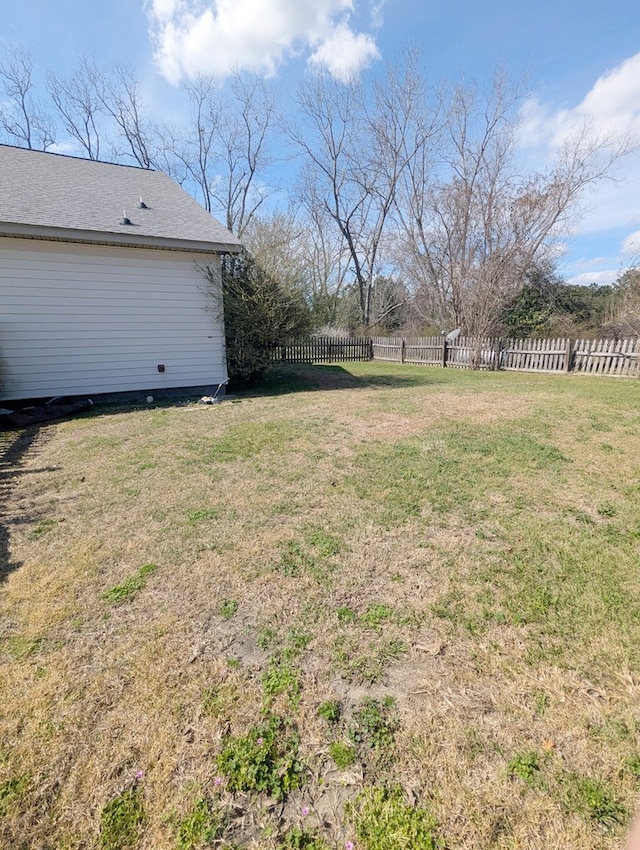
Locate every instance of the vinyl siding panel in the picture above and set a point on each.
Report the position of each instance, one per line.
(81, 319)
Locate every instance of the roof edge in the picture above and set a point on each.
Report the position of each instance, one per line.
(124, 240)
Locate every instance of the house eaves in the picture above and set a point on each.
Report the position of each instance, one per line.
(122, 240)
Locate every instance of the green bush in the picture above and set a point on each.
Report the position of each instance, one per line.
(259, 311)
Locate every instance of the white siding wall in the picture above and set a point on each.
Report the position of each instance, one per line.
(82, 319)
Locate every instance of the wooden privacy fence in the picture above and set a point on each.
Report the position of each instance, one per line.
(322, 349)
(597, 357)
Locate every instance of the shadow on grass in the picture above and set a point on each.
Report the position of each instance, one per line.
(13, 448)
(292, 378)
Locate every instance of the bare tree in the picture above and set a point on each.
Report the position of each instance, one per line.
(626, 302)
(243, 135)
(329, 263)
(21, 116)
(197, 151)
(356, 149)
(277, 242)
(78, 105)
(119, 95)
(480, 225)
(225, 147)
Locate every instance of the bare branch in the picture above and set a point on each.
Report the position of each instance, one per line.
(21, 117)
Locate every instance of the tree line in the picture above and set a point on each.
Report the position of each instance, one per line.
(382, 204)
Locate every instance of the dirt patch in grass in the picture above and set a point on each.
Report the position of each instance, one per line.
(233, 626)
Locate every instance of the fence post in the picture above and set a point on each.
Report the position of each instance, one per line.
(500, 347)
(566, 365)
(370, 348)
(444, 352)
(403, 350)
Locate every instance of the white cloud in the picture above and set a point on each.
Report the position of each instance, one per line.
(344, 53)
(601, 278)
(218, 36)
(631, 244)
(377, 17)
(164, 10)
(612, 106)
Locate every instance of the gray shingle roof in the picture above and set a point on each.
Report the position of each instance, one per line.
(66, 197)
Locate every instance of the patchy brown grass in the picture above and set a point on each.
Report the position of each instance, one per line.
(467, 544)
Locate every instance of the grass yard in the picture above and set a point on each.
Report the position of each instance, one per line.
(372, 607)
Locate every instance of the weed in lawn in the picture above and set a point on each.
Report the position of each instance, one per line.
(607, 510)
(220, 702)
(267, 637)
(228, 608)
(122, 821)
(327, 544)
(298, 838)
(330, 711)
(633, 766)
(12, 792)
(368, 666)
(375, 615)
(197, 516)
(526, 766)
(374, 725)
(297, 642)
(384, 821)
(294, 561)
(129, 587)
(281, 678)
(452, 474)
(345, 614)
(42, 528)
(343, 755)
(202, 825)
(21, 647)
(594, 799)
(540, 703)
(265, 760)
(543, 597)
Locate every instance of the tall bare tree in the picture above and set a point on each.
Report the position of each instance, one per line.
(244, 134)
(118, 92)
(21, 116)
(76, 101)
(225, 147)
(357, 145)
(475, 229)
(198, 151)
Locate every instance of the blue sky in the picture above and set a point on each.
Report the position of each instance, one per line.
(579, 58)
